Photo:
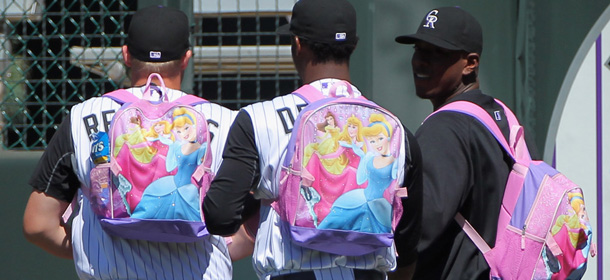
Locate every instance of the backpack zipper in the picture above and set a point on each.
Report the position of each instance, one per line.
(522, 231)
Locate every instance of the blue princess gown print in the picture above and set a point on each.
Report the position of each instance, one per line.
(173, 197)
(364, 210)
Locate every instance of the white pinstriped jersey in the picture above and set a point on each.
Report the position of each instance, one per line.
(274, 252)
(98, 255)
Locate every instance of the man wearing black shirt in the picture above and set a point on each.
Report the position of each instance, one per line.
(465, 169)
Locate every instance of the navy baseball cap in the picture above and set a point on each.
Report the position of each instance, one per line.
(158, 34)
(323, 21)
(450, 28)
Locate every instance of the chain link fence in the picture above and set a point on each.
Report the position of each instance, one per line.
(58, 53)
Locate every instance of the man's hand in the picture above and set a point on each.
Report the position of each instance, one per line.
(402, 273)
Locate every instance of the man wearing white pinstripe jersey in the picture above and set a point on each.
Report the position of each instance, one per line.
(323, 36)
(158, 41)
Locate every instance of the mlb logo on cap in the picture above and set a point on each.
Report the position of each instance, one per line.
(322, 21)
(154, 55)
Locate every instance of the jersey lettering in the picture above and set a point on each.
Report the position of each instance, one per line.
(91, 123)
(107, 116)
(284, 113)
(212, 126)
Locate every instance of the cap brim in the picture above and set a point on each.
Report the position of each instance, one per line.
(284, 30)
(406, 39)
(411, 39)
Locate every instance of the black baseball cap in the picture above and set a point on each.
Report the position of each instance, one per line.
(450, 28)
(158, 34)
(322, 21)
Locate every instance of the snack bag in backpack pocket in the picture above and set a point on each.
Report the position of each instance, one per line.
(158, 173)
(339, 187)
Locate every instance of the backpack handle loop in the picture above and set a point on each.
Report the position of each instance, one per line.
(333, 89)
(147, 90)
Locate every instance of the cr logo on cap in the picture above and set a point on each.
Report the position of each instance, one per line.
(340, 36)
(431, 19)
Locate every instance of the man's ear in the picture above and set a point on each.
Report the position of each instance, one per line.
(472, 64)
(297, 44)
(126, 56)
(185, 59)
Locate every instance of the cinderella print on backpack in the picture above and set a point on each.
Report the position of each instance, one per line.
(157, 169)
(340, 180)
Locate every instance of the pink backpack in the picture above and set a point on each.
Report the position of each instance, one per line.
(543, 228)
(332, 197)
(152, 168)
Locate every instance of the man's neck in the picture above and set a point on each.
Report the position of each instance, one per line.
(459, 90)
(173, 82)
(326, 70)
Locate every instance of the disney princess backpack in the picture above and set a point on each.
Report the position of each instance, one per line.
(340, 181)
(543, 228)
(152, 168)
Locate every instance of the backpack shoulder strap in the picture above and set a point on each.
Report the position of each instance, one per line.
(517, 136)
(121, 96)
(191, 100)
(512, 119)
(516, 148)
(472, 234)
(308, 93)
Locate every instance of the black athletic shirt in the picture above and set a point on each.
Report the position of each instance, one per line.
(54, 174)
(465, 170)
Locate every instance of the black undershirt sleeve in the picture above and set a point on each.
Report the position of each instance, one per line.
(54, 173)
(408, 230)
(229, 202)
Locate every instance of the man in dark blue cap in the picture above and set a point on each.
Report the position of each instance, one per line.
(157, 42)
(323, 36)
(465, 169)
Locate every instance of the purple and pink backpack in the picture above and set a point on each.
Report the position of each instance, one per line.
(543, 227)
(152, 168)
(339, 187)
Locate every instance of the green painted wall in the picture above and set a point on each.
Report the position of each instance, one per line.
(528, 47)
(20, 259)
